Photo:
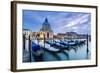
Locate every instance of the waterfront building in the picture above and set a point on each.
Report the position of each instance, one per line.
(71, 35)
(27, 32)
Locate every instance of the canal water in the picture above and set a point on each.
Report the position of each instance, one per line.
(80, 53)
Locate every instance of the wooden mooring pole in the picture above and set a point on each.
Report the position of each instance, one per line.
(87, 51)
(44, 40)
(30, 56)
(87, 44)
(24, 41)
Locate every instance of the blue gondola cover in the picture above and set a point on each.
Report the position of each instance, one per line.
(35, 47)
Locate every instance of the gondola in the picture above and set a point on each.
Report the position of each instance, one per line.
(50, 48)
(57, 45)
(37, 52)
(65, 45)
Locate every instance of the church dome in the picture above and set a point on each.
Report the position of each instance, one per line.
(46, 27)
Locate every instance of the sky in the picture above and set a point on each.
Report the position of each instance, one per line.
(61, 22)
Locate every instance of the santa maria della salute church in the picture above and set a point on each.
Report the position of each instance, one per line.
(45, 31)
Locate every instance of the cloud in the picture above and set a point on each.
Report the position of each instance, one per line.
(75, 28)
(77, 21)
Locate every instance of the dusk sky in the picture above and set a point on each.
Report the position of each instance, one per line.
(61, 22)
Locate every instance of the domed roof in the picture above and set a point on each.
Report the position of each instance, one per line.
(46, 27)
